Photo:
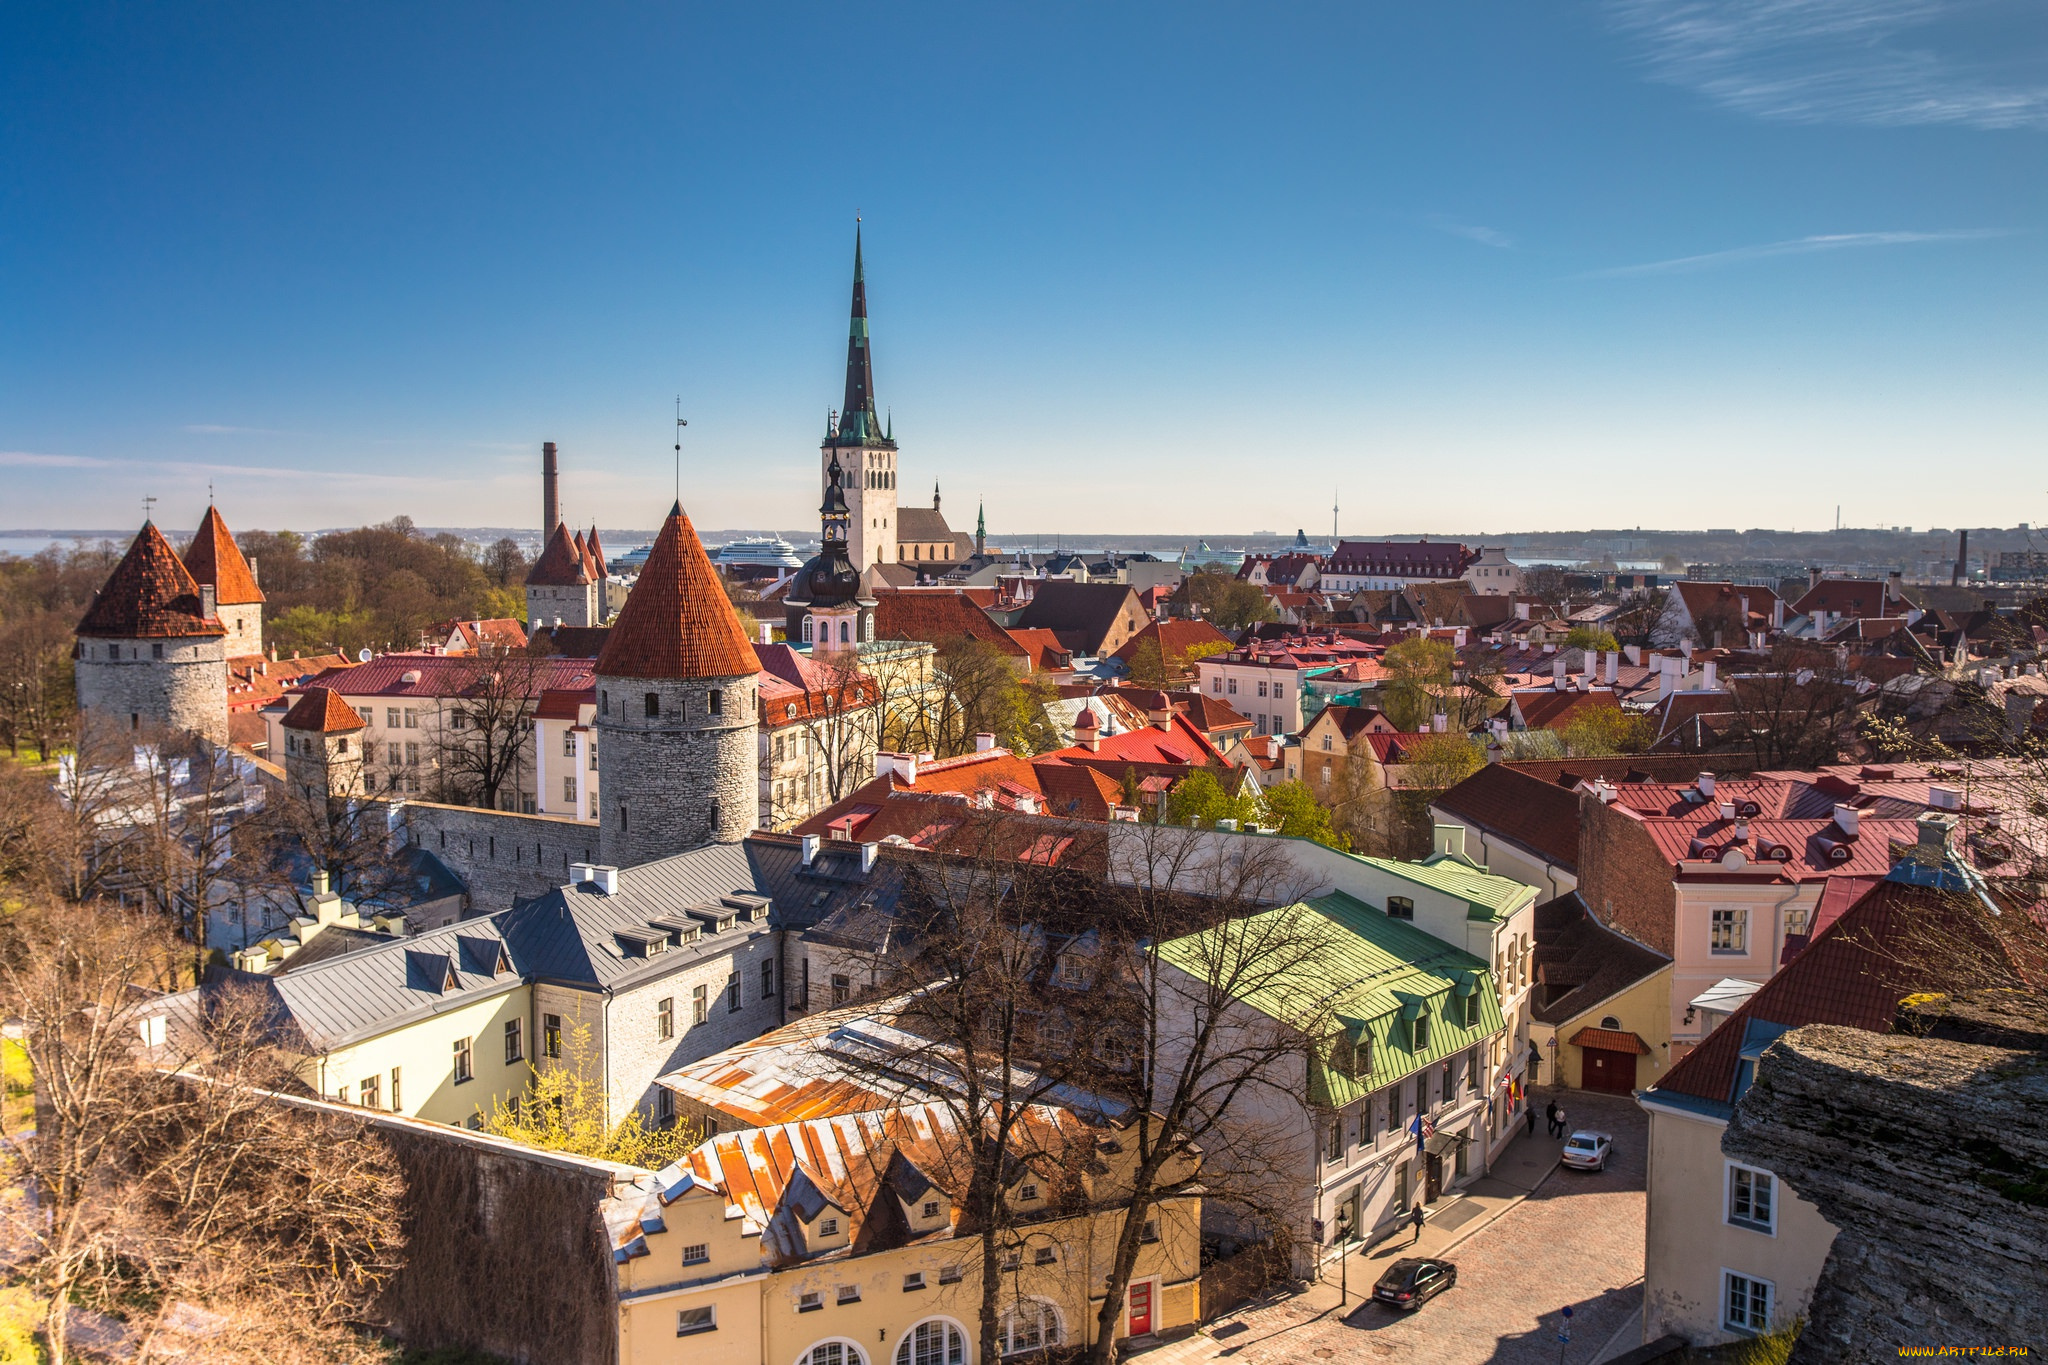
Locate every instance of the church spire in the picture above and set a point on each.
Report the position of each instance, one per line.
(858, 421)
(981, 528)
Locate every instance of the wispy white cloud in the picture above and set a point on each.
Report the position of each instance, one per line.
(210, 429)
(1796, 246)
(29, 459)
(1882, 62)
(1473, 232)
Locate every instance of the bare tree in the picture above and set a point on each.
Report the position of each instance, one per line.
(189, 809)
(839, 721)
(486, 733)
(1799, 710)
(37, 697)
(1207, 923)
(167, 1169)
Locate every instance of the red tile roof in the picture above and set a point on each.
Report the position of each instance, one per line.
(447, 675)
(678, 622)
(255, 680)
(1541, 816)
(1857, 971)
(1610, 1040)
(596, 552)
(1406, 558)
(213, 557)
(935, 617)
(1042, 648)
(322, 710)
(560, 565)
(1183, 744)
(1551, 708)
(1849, 597)
(1210, 715)
(1814, 848)
(1175, 639)
(150, 595)
(1704, 599)
(564, 703)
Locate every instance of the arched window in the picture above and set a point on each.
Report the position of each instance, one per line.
(871, 629)
(1611, 1023)
(833, 1353)
(808, 628)
(1030, 1326)
(845, 633)
(936, 1341)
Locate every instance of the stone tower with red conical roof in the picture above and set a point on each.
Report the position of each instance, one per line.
(560, 586)
(676, 723)
(214, 560)
(323, 747)
(151, 649)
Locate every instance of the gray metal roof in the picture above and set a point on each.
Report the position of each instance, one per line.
(365, 993)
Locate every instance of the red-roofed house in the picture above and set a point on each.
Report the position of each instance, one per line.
(819, 731)
(1729, 1247)
(1553, 708)
(469, 637)
(1389, 564)
(1179, 643)
(1717, 613)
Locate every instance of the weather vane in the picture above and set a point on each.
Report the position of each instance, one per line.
(148, 508)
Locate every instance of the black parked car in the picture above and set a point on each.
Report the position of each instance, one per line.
(1413, 1281)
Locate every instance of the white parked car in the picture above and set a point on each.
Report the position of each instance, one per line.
(1588, 1151)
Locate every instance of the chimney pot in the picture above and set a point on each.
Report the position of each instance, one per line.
(809, 844)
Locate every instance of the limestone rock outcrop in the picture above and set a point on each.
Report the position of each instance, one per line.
(1931, 1156)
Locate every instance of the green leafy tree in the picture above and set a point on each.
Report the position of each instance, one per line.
(1418, 677)
(1604, 731)
(1199, 799)
(1439, 762)
(1590, 637)
(563, 1110)
(1296, 811)
(1148, 665)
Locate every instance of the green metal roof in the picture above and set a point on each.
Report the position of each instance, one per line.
(1374, 975)
(1486, 896)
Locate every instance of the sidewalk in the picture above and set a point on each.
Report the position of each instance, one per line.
(1524, 1166)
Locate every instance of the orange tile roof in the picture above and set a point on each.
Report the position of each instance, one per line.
(322, 710)
(150, 595)
(560, 565)
(678, 623)
(935, 617)
(213, 557)
(1609, 1040)
(597, 560)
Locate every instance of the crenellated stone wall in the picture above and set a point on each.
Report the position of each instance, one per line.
(501, 855)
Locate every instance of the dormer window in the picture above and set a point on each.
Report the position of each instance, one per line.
(1027, 1193)
(930, 1210)
(1419, 1033)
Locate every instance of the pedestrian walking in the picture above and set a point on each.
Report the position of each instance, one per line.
(1530, 1110)
(1563, 1125)
(1550, 1119)
(1415, 1221)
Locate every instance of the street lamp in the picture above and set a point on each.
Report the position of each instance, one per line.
(1343, 1257)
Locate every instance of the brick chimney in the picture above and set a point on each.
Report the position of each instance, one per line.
(550, 491)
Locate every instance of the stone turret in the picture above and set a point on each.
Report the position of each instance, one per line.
(323, 747)
(560, 586)
(676, 710)
(151, 649)
(215, 561)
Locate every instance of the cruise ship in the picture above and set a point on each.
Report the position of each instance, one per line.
(766, 554)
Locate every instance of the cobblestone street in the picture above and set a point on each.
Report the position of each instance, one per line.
(1578, 1240)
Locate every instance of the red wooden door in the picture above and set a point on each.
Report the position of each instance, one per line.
(1141, 1309)
(1614, 1072)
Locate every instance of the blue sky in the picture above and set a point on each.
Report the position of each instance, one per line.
(1132, 268)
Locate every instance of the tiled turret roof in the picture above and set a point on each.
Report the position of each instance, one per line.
(322, 710)
(150, 595)
(678, 623)
(213, 557)
(596, 552)
(560, 565)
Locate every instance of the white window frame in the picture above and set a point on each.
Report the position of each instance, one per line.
(1770, 1301)
(1059, 1324)
(710, 1326)
(1739, 918)
(856, 1354)
(1768, 1226)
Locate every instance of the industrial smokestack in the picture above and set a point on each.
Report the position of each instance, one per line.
(1962, 559)
(550, 491)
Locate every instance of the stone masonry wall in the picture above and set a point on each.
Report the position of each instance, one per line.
(187, 689)
(500, 854)
(678, 780)
(637, 1052)
(1623, 878)
(575, 606)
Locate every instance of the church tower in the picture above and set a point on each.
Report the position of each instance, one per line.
(151, 647)
(864, 451)
(824, 607)
(677, 687)
(215, 561)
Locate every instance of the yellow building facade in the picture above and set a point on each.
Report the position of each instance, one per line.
(838, 1242)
